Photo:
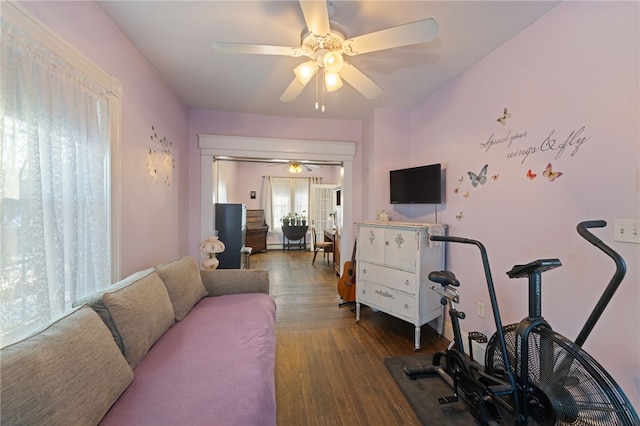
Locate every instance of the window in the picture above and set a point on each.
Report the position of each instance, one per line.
(58, 127)
(288, 195)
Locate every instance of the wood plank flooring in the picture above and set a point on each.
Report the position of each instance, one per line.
(329, 370)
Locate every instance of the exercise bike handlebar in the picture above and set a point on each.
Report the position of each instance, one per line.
(487, 272)
(582, 230)
(494, 305)
(621, 270)
(457, 240)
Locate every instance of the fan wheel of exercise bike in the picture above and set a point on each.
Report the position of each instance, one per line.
(560, 373)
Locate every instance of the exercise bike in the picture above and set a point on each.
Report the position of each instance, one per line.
(532, 375)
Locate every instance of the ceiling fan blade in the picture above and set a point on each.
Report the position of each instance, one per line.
(360, 82)
(316, 15)
(259, 49)
(403, 35)
(294, 89)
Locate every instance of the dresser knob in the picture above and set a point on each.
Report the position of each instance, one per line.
(364, 270)
(406, 306)
(386, 243)
(406, 282)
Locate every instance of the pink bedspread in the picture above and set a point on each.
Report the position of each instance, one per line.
(216, 367)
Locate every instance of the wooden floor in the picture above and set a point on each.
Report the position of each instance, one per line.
(329, 370)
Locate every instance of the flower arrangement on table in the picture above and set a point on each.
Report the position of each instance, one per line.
(294, 219)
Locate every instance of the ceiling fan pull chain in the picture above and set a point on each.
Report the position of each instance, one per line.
(317, 90)
(323, 89)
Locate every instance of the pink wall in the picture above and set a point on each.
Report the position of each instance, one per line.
(154, 216)
(386, 147)
(235, 124)
(571, 76)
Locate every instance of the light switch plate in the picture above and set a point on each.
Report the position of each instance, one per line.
(627, 230)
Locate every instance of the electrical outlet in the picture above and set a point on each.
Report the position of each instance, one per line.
(481, 309)
(627, 230)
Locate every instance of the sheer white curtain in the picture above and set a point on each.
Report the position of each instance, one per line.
(286, 195)
(55, 240)
(222, 187)
(267, 203)
(300, 197)
(280, 189)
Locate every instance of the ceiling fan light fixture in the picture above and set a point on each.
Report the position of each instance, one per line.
(295, 168)
(305, 71)
(333, 61)
(332, 81)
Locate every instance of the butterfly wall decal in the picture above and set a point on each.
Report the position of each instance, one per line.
(480, 178)
(459, 216)
(550, 174)
(531, 175)
(503, 120)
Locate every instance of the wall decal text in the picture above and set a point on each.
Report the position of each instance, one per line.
(552, 143)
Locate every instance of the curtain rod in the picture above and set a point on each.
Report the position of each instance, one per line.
(293, 177)
(277, 161)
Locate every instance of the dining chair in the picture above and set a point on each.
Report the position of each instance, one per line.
(325, 246)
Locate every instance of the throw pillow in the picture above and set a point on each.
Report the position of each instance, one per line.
(184, 284)
(141, 312)
(97, 303)
(69, 373)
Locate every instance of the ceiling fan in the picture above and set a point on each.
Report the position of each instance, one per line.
(325, 43)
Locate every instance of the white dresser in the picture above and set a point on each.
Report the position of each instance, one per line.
(393, 261)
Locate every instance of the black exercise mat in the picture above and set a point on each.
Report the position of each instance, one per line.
(423, 394)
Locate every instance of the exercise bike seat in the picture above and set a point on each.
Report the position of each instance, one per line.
(539, 266)
(444, 278)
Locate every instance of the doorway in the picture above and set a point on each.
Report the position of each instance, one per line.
(212, 146)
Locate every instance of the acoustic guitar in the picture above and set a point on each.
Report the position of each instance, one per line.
(347, 283)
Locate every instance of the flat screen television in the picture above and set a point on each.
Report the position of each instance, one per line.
(416, 185)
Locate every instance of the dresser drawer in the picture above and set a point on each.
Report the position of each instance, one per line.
(374, 295)
(403, 306)
(387, 299)
(389, 277)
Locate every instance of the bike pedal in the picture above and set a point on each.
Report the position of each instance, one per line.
(448, 399)
(478, 337)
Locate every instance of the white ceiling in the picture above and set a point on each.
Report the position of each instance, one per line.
(176, 37)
